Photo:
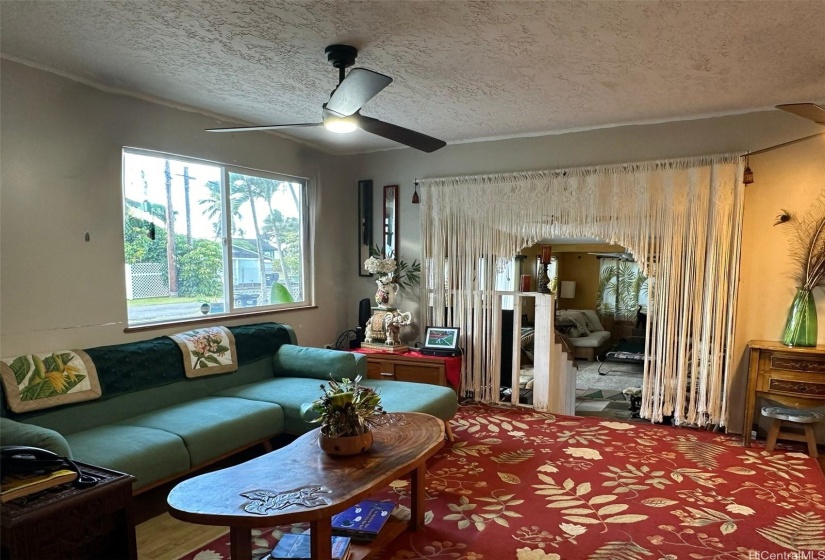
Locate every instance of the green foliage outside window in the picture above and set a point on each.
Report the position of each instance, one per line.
(200, 270)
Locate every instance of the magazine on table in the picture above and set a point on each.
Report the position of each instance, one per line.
(363, 521)
(298, 545)
(18, 485)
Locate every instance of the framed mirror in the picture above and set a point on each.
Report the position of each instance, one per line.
(391, 221)
(364, 225)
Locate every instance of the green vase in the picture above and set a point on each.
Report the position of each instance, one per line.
(800, 328)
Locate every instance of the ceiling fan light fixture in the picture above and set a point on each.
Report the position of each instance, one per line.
(340, 125)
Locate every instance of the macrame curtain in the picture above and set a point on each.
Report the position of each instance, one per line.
(622, 289)
(681, 219)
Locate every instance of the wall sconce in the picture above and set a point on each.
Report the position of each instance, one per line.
(747, 176)
(415, 199)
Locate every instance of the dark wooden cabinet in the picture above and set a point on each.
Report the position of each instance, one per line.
(791, 376)
(68, 522)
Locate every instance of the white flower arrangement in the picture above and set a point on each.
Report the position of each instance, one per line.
(380, 266)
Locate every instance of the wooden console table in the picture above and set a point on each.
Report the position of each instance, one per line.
(69, 522)
(791, 376)
(299, 483)
(413, 366)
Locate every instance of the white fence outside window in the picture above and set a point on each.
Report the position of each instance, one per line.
(145, 280)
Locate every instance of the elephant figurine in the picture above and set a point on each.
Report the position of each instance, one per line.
(392, 326)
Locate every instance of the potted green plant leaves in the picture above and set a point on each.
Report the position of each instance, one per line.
(347, 412)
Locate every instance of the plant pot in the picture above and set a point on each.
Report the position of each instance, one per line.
(801, 326)
(347, 445)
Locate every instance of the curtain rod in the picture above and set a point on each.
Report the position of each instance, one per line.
(770, 148)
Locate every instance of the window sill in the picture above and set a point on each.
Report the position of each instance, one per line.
(214, 318)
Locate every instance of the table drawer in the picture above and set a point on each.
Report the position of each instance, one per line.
(797, 388)
(779, 361)
(374, 369)
(432, 374)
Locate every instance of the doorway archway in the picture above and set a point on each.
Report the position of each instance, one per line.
(680, 218)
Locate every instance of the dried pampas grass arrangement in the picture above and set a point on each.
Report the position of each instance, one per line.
(808, 252)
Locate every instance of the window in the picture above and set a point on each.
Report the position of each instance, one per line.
(238, 241)
(622, 291)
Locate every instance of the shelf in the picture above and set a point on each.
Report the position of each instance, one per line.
(366, 550)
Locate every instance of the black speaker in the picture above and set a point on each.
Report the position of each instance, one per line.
(363, 312)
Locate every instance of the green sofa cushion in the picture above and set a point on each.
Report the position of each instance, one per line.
(396, 396)
(317, 363)
(18, 433)
(148, 455)
(213, 426)
(289, 392)
(402, 396)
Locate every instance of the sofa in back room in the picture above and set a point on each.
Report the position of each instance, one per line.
(585, 332)
(153, 422)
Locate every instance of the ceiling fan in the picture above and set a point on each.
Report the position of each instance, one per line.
(810, 111)
(342, 113)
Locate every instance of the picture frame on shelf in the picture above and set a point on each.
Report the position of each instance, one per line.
(442, 338)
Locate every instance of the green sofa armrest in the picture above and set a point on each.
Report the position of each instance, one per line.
(18, 433)
(317, 363)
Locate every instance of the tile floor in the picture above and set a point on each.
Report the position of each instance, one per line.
(603, 403)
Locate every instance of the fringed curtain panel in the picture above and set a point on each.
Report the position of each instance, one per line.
(681, 219)
(622, 289)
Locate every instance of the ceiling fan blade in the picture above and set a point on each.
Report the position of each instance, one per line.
(808, 110)
(358, 87)
(400, 134)
(262, 127)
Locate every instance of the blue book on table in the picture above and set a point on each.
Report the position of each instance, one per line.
(297, 545)
(362, 521)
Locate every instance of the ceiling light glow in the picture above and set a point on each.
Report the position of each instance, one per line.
(341, 126)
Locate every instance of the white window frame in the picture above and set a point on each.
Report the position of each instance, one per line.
(306, 232)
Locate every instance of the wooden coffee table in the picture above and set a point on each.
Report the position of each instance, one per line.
(300, 483)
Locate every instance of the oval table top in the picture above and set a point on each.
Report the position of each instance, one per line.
(299, 482)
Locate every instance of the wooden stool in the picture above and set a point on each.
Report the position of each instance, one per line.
(797, 418)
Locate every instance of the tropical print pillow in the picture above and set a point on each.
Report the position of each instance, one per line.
(38, 381)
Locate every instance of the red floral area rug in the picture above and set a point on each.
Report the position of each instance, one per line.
(517, 484)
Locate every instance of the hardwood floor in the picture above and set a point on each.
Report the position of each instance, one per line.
(165, 538)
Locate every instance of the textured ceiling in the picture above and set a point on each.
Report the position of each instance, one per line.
(463, 70)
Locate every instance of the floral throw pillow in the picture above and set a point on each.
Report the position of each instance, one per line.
(207, 351)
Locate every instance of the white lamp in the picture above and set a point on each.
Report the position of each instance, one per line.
(567, 289)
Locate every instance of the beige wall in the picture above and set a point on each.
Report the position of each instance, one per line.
(797, 175)
(61, 177)
(789, 178)
(583, 269)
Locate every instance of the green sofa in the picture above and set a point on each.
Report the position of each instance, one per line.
(156, 424)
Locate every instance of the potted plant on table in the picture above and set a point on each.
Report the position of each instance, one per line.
(347, 412)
